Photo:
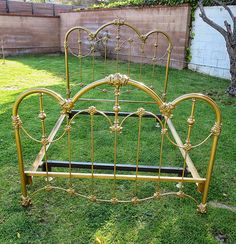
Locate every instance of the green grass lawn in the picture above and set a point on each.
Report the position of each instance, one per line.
(56, 217)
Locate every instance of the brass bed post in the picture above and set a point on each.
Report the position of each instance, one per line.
(216, 129)
(27, 179)
(25, 200)
(215, 133)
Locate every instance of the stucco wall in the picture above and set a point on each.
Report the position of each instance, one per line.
(26, 34)
(209, 54)
(173, 20)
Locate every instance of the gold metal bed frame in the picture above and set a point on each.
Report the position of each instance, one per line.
(90, 44)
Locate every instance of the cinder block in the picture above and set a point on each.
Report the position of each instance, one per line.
(30, 39)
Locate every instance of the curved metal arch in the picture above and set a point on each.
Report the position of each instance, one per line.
(146, 36)
(76, 28)
(202, 97)
(146, 112)
(32, 91)
(86, 110)
(106, 80)
(142, 37)
(119, 23)
(94, 34)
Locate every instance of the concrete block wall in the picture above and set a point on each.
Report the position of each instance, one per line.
(30, 8)
(208, 50)
(41, 34)
(29, 34)
(3, 6)
(172, 20)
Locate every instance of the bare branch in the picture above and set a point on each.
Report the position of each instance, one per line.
(228, 27)
(209, 21)
(226, 8)
(230, 13)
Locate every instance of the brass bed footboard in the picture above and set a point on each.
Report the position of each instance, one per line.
(187, 173)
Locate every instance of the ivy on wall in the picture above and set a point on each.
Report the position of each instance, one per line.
(178, 2)
(123, 3)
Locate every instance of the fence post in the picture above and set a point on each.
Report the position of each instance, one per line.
(32, 6)
(7, 6)
(53, 7)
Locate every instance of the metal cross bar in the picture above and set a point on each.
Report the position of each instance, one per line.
(110, 113)
(122, 167)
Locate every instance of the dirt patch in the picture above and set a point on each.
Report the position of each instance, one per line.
(220, 237)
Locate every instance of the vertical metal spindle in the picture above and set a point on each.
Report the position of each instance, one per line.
(80, 56)
(167, 73)
(92, 142)
(117, 47)
(93, 61)
(130, 40)
(42, 117)
(154, 59)
(67, 70)
(116, 128)
(187, 145)
(163, 131)
(68, 128)
(141, 63)
(138, 152)
(92, 111)
(105, 53)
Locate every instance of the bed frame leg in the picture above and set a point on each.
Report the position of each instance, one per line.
(25, 199)
(202, 208)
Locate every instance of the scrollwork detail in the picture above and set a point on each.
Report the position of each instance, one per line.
(117, 79)
(67, 105)
(16, 121)
(216, 129)
(166, 109)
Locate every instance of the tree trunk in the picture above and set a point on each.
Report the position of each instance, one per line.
(229, 35)
(232, 55)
